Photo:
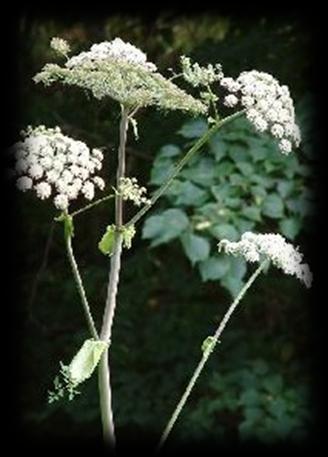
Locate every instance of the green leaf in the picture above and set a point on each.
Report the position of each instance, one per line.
(190, 194)
(239, 153)
(258, 152)
(252, 212)
(106, 244)
(218, 146)
(169, 150)
(285, 187)
(194, 129)
(273, 206)
(85, 361)
(250, 397)
(224, 169)
(238, 267)
(273, 384)
(202, 172)
(224, 231)
(246, 168)
(196, 247)
(290, 227)
(214, 268)
(232, 283)
(161, 169)
(166, 226)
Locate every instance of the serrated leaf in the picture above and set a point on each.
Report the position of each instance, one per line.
(106, 244)
(273, 206)
(196, 247)
(166, 226)
(214, 268)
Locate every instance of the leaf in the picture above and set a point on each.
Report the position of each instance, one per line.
(218, 146)
(106, 244)
(239, 153)
(285, 187)
(169, 150)
(202, 172)
(194, 129)
(273, 384)
(238, 267)
(166, 226)
(86, 360)
(161, 169)
(252, 212)
(225, 231)
(273, 206)
(196, 247)
(214, 268)
(232, 283)
(246, 168)
(250, 397)
(290, 227)
(190, 194)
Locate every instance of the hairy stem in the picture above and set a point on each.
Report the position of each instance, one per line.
(192, 151)
(206, 354)
(78, 280)
(106, 331)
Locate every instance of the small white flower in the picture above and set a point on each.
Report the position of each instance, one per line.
(21, 166)
(43, 190)
(59, 45)
(88, 190)
(99, 182)
(24, 183)
(277, 130)
(247, 101)
(230, 100)
(97, 153)
(61, 202)
(35, 171)
(285, 146)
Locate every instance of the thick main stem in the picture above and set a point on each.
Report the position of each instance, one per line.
(115, 265)
(206, 354)
(78, 280)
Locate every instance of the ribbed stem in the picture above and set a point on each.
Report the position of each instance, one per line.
(115, 265)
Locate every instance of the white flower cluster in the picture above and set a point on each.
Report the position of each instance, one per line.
(256, 247)
(197, 75)
(129, 189)
(112, 50)
(60, 46)
(269, 106)
(52, 163)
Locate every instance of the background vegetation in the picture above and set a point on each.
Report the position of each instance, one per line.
(258, 383)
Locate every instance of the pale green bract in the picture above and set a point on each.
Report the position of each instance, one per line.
(86, 360)
(80, 369)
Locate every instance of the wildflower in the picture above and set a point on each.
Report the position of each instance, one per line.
(268, 106)
(52, 163)
(60, 46)
(129, 189)
(256, 247)
(121, 71)
(197, 75)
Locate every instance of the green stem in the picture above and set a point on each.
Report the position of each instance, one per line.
(192, 151)
(207, 352)
(78, 280)
(96, 203)
(106, 331)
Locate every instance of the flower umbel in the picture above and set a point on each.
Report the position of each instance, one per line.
(269, 106)
(60, 46)
(52, 163)
(255, 247)
(121, 71)
(129, 189)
